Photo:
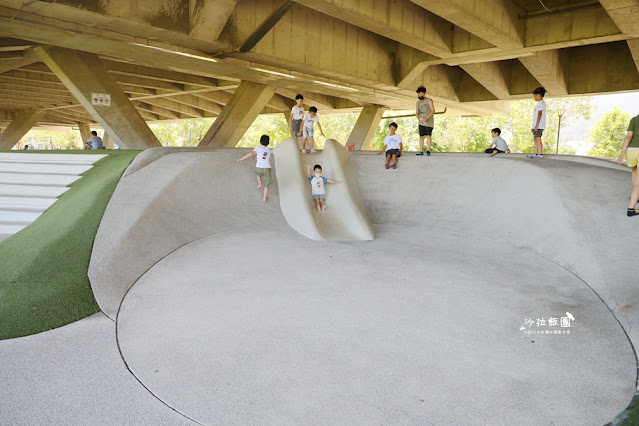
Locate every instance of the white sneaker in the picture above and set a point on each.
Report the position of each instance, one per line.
(303, 150)
(312, 151)
(539, 156)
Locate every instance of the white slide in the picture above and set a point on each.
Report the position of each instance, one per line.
(345, 218)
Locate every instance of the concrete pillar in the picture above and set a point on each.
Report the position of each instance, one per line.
(85, 131)
(238, 114)
(83, 74)
(365, 127)
(21, 124)
(107, 141)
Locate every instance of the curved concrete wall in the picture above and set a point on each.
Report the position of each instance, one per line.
(570, 212)
(167, 203)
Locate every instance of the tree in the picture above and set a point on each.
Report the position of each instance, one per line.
(183, 133)
(275, 126)
(608, 133)
(53, 139)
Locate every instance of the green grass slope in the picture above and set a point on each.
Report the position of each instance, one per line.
(43, 268)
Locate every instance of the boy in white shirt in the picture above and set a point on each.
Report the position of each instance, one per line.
(539, 121)
(262, 165)
(295, 120)
(393, 146)
(310, 118)
(500, 145)
(317, 186)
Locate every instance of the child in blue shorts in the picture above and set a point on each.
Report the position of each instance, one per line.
(317, 185)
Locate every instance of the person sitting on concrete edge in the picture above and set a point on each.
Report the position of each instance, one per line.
(539, 122)
(499, 144)
(262, 164)
(393, 146)
(317, 186)
(425, 112)
(296, 117)
(630, 150)
(94, 142)
(310, 118)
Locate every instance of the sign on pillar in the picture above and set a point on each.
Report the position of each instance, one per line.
(101, 99)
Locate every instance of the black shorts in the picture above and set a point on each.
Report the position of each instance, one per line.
(491, 150)
(425, 131)
(297, 125)
(392, 152)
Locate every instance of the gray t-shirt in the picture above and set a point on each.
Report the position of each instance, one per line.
(423, 109)
(95, 142)
(500, 144)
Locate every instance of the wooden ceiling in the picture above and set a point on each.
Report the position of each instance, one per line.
(180, 59)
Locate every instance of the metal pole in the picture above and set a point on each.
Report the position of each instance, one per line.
(558, 133)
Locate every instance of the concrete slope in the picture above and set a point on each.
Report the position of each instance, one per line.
(345, 218)
(217, 296)
(180, 197)
(570, 211)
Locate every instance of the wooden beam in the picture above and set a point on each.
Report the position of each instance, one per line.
(399, 20)
(199, 103)
(267, 25)
(177, 107)
(239, 113)
(12, 44)
(280, 103)
(84, 74)
(117, 67)
(207, 18)
(218, 97)
(147, 82)
(158, 110)
(21, 124)
(624, 14)
(19, 60)
(549, 68)
(633, 45)
(311, 99)
(614, 70)
(85, 131)
(409, 65)
(496, 21)
(494, 76)
(365, 127)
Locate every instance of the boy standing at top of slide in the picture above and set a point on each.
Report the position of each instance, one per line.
(425, 112)
(539, 121)
(295, 120)
(309, 120)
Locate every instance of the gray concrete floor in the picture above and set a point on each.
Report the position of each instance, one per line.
(419, 327)
(74, 375)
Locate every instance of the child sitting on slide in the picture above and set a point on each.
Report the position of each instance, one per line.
(393, 146)
(317, 185)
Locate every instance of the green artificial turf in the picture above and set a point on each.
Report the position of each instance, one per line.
(43, 268)
(633, 418)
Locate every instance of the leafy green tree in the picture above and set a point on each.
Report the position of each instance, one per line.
(53, 139)
(608, 133)
(275, 126)
(183, 133)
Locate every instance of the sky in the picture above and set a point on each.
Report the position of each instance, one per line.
(626, 101)
(579, 129)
